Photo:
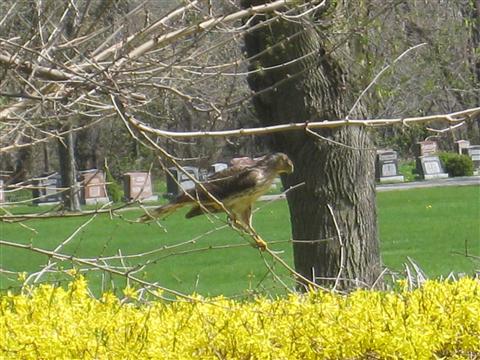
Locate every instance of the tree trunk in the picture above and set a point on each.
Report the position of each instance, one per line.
(23, 166)
(474, 18)
(71, 197)
(338, 173)
(66, 147)
(86, 144)
(46, 158)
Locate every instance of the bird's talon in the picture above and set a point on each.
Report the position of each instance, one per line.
(260, 244)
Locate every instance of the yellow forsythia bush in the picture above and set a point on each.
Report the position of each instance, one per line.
(438, 320)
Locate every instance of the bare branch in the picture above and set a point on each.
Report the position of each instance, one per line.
(452, 118)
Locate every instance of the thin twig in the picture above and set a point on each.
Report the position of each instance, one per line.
(380, 74)
(342, 248)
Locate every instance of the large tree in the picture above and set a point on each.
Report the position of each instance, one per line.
(296, 78)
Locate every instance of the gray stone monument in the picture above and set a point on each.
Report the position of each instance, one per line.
(428, 163)
(217, 167)
(474, 152)
(178, 181)
(460, 145)
(46, 189)
(386, 166)
(203, 174)
(430, 167)
(137, 185)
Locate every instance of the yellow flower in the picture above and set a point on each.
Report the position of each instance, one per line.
(437, 320)
(72, 272)
(130, 292)
(22, 276)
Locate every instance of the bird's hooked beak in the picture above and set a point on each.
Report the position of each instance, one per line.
(280, 162)
(289, 168)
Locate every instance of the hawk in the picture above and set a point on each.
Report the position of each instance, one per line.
(234, 189)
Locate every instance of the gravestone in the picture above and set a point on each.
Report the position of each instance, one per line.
(178, 181)
(460, 145)
(474, 152)
(203, 174)
(138, 186)
(2, 192)
(424, 148)
(217, 167)
(430, 167)
(428, 163)
(386, 166)
(93, 184)
(47, 189)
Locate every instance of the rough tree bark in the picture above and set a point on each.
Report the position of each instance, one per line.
(335, 175)
(473, 16)
(475, 19)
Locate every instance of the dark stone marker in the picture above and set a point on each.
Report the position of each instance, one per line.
(430, 167)
(386, 166)
(178, 182)
(474, 152)
(47, 189)
(428, 163)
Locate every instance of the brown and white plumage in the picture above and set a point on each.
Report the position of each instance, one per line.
(235, 189)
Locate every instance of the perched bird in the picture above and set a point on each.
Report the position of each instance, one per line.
(234, 189)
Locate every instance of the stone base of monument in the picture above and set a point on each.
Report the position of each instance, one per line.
(49, 203)
(435, 176)
(150, 198)
(391, 179)
(95, 201)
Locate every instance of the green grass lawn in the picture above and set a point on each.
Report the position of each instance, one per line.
(431, 225)
(428, 225)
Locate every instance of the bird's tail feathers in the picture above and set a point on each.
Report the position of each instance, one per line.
(159, 212)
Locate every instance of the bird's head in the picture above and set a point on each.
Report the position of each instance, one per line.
(281, 163)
